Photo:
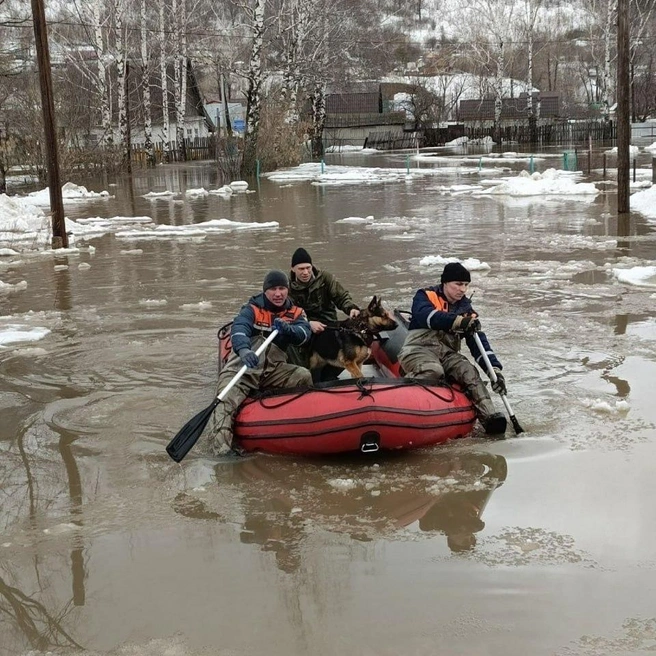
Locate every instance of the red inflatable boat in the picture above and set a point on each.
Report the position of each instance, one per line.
(366, 415)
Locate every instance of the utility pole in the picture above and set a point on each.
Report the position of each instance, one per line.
(59, 236)
(623, 108)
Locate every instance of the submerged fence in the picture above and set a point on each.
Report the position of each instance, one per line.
(194, 149)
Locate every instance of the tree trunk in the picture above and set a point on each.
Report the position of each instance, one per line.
(145, 86)
(99, 46)
(253, 99)
(166, 127)
(318, 118)
(120, 75)
(498, 103)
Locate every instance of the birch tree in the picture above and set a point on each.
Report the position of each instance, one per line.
(120, 56)
(145, 85)
(253, 93)
(180, 73)
(163, 70)
(101, 77)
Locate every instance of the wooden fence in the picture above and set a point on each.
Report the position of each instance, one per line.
(550, 134)
(392, 140)
(194, 149)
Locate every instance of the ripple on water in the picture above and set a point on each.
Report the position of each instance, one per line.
(637, 635)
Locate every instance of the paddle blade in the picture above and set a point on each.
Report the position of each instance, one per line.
(188, 435)
(516, 426)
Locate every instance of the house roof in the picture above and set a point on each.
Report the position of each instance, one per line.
(482, 109)
(353, 103)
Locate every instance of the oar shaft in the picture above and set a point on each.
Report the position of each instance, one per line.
(242, 371)
(492, 373)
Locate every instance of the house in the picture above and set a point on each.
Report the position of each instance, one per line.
(353, 114)
(481, 111)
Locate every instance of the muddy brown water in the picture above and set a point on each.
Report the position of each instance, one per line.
(540, 544)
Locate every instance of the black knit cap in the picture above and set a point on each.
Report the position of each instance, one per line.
(455, 272)
(275, 278)
(301, 256)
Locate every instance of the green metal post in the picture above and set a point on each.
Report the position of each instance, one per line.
(531, 166)
(257, 169)
(407, 164)
(323, 164)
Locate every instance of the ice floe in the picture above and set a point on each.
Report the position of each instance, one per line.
(645, 202)
(70, 192)
(14, 333)
(194, 230)
(551, 182)
(641, 276)
(470, 263)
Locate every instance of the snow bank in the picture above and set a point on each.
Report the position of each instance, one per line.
(645, 202)
(652, 147)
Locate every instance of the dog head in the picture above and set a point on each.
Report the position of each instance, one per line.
(376, 318)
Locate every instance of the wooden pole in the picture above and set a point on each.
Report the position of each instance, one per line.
(623, 108)
(59, 236)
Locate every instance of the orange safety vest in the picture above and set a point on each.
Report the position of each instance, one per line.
(264, 318)
(438, 302)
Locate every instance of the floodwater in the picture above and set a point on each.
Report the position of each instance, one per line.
(541, 544)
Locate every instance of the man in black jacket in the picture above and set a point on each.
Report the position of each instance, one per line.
(442, 316)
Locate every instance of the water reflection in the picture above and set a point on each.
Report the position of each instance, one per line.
(285, 501)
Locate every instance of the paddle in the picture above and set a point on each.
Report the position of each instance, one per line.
(188, 435)
(493, 378)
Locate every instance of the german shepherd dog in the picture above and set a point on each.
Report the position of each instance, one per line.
(346, 344)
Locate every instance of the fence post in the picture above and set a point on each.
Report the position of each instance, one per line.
(531, 166)
(565, 161)
(480, 164)
(634, 170)
(653, 170)
(257, 169)
(322, 166)
(604, 166)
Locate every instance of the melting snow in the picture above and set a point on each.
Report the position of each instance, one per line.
(642, 276)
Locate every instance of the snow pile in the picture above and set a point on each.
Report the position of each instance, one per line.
(348, 148)
(652, 147)
(606, 407)
(201, 305)
(70, 192)
(196, 230)
(645, 202)
(471, 264)
(343, 484)
(22, 225)
(153, 302)
(357, 219)
(459, 141)
(633, 151)
(154, 195)
(550, 183)
(641, 276)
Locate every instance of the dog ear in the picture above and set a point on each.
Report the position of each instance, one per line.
(373, 303)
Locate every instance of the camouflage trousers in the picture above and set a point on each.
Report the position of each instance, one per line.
(436, 363)
(273, 372)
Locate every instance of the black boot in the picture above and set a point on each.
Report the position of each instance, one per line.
(495, 424)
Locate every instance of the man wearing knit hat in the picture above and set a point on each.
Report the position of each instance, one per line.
(264, 312)
(320, 295)
(441, 317)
